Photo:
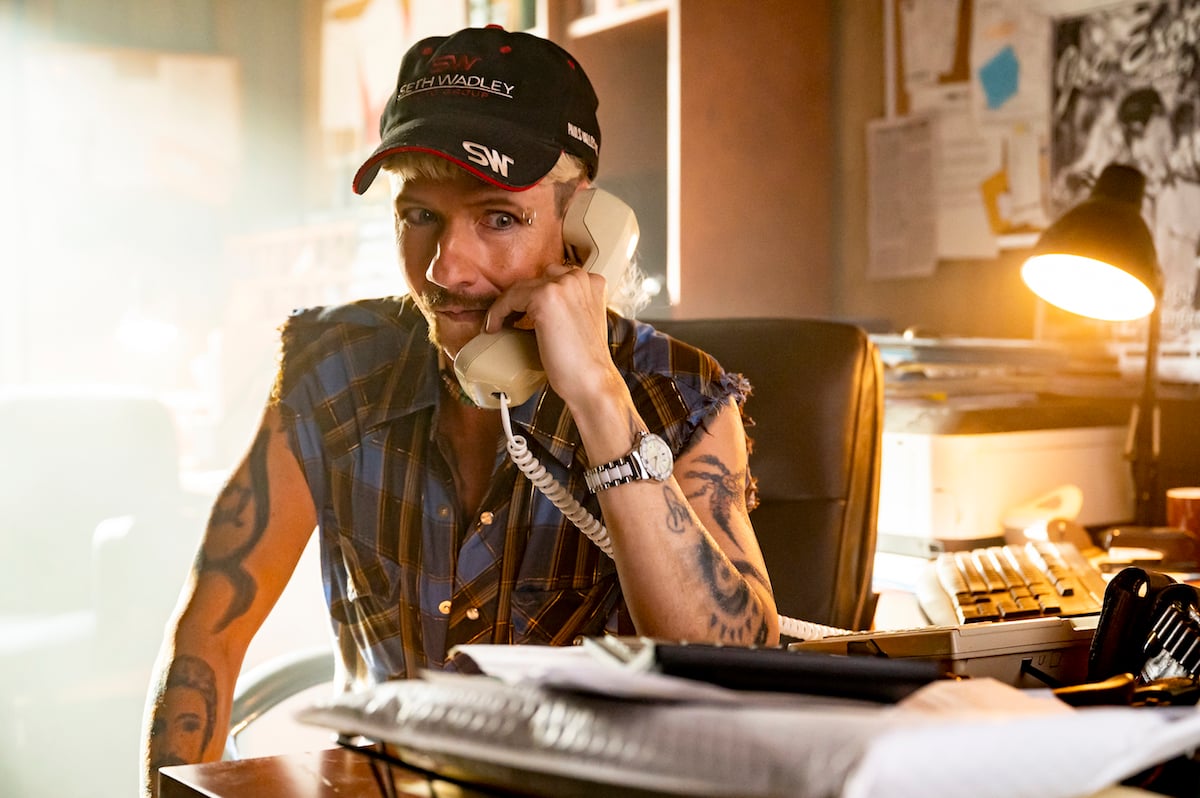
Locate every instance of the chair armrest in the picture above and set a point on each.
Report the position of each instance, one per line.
(273, 682)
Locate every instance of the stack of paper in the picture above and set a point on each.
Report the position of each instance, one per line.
(568, 719)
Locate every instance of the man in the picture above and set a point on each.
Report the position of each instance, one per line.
(1146, 128)
(429, 535)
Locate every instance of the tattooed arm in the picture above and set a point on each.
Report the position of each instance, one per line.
(689, 562)
(256, 532)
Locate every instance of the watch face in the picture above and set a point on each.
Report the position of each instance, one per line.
(656, 456)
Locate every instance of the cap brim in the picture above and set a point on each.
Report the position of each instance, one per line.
(501, 153)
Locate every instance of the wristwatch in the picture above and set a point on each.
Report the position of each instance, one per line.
(651, 458)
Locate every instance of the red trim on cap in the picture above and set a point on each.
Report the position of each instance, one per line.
(484, 176)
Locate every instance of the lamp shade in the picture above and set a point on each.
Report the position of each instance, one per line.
(1098, 259)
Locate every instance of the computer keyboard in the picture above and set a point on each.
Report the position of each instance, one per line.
(1021, 613)
(1011, 582)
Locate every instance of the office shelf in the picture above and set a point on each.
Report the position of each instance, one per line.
(716, 129)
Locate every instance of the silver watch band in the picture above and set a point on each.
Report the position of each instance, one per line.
(617, 472)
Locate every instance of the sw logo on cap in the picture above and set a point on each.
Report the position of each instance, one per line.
(495, 160)
(448, 63)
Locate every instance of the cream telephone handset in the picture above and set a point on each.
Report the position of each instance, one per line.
(600, 232)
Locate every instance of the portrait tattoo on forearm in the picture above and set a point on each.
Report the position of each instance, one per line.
(230, 512)
(185, 714)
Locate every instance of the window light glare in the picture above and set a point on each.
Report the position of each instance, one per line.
(633, 242)
(143, 336)
(1088, 287)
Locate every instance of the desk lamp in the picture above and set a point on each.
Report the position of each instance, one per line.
(1098, 260)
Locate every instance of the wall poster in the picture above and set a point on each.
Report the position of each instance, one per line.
(1126, 87)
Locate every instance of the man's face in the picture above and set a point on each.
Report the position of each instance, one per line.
(181, 738)
(1150, 146)
(463, 242)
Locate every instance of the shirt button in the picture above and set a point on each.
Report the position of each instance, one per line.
(473, 614)
(486, 518)
(443, 511)
(444, 607)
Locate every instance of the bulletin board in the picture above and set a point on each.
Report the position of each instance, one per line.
(1005, 111)
(976, 73)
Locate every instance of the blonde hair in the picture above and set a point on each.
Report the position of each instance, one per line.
(626, 294)
(567, 173)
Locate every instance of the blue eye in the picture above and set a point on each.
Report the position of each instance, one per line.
(417, 217)
(499, 220)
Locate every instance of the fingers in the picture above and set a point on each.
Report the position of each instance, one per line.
(559, 269)
(559, 285)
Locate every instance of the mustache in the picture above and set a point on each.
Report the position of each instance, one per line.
(439, 298)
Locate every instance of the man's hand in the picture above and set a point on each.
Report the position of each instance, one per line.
(566, 308)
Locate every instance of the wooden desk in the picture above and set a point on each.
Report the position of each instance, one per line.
(349, 773)
(340, 772)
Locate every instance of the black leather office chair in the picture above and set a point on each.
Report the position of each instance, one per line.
(268, 685)
(817, 409)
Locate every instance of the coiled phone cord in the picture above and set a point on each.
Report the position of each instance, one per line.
(575, 512)
(590, 526)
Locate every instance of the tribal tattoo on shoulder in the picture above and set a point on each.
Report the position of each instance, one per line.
(238, 500)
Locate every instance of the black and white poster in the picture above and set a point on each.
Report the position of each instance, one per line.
(1126, 88)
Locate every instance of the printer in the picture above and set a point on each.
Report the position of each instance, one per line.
(955, 468)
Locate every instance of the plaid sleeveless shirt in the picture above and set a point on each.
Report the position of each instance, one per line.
(407, 574)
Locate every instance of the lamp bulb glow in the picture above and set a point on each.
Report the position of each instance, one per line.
(1088, 287)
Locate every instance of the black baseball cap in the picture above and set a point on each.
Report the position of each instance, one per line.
(502, 105)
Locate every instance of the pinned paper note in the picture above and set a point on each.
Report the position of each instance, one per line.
(1000, 78)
